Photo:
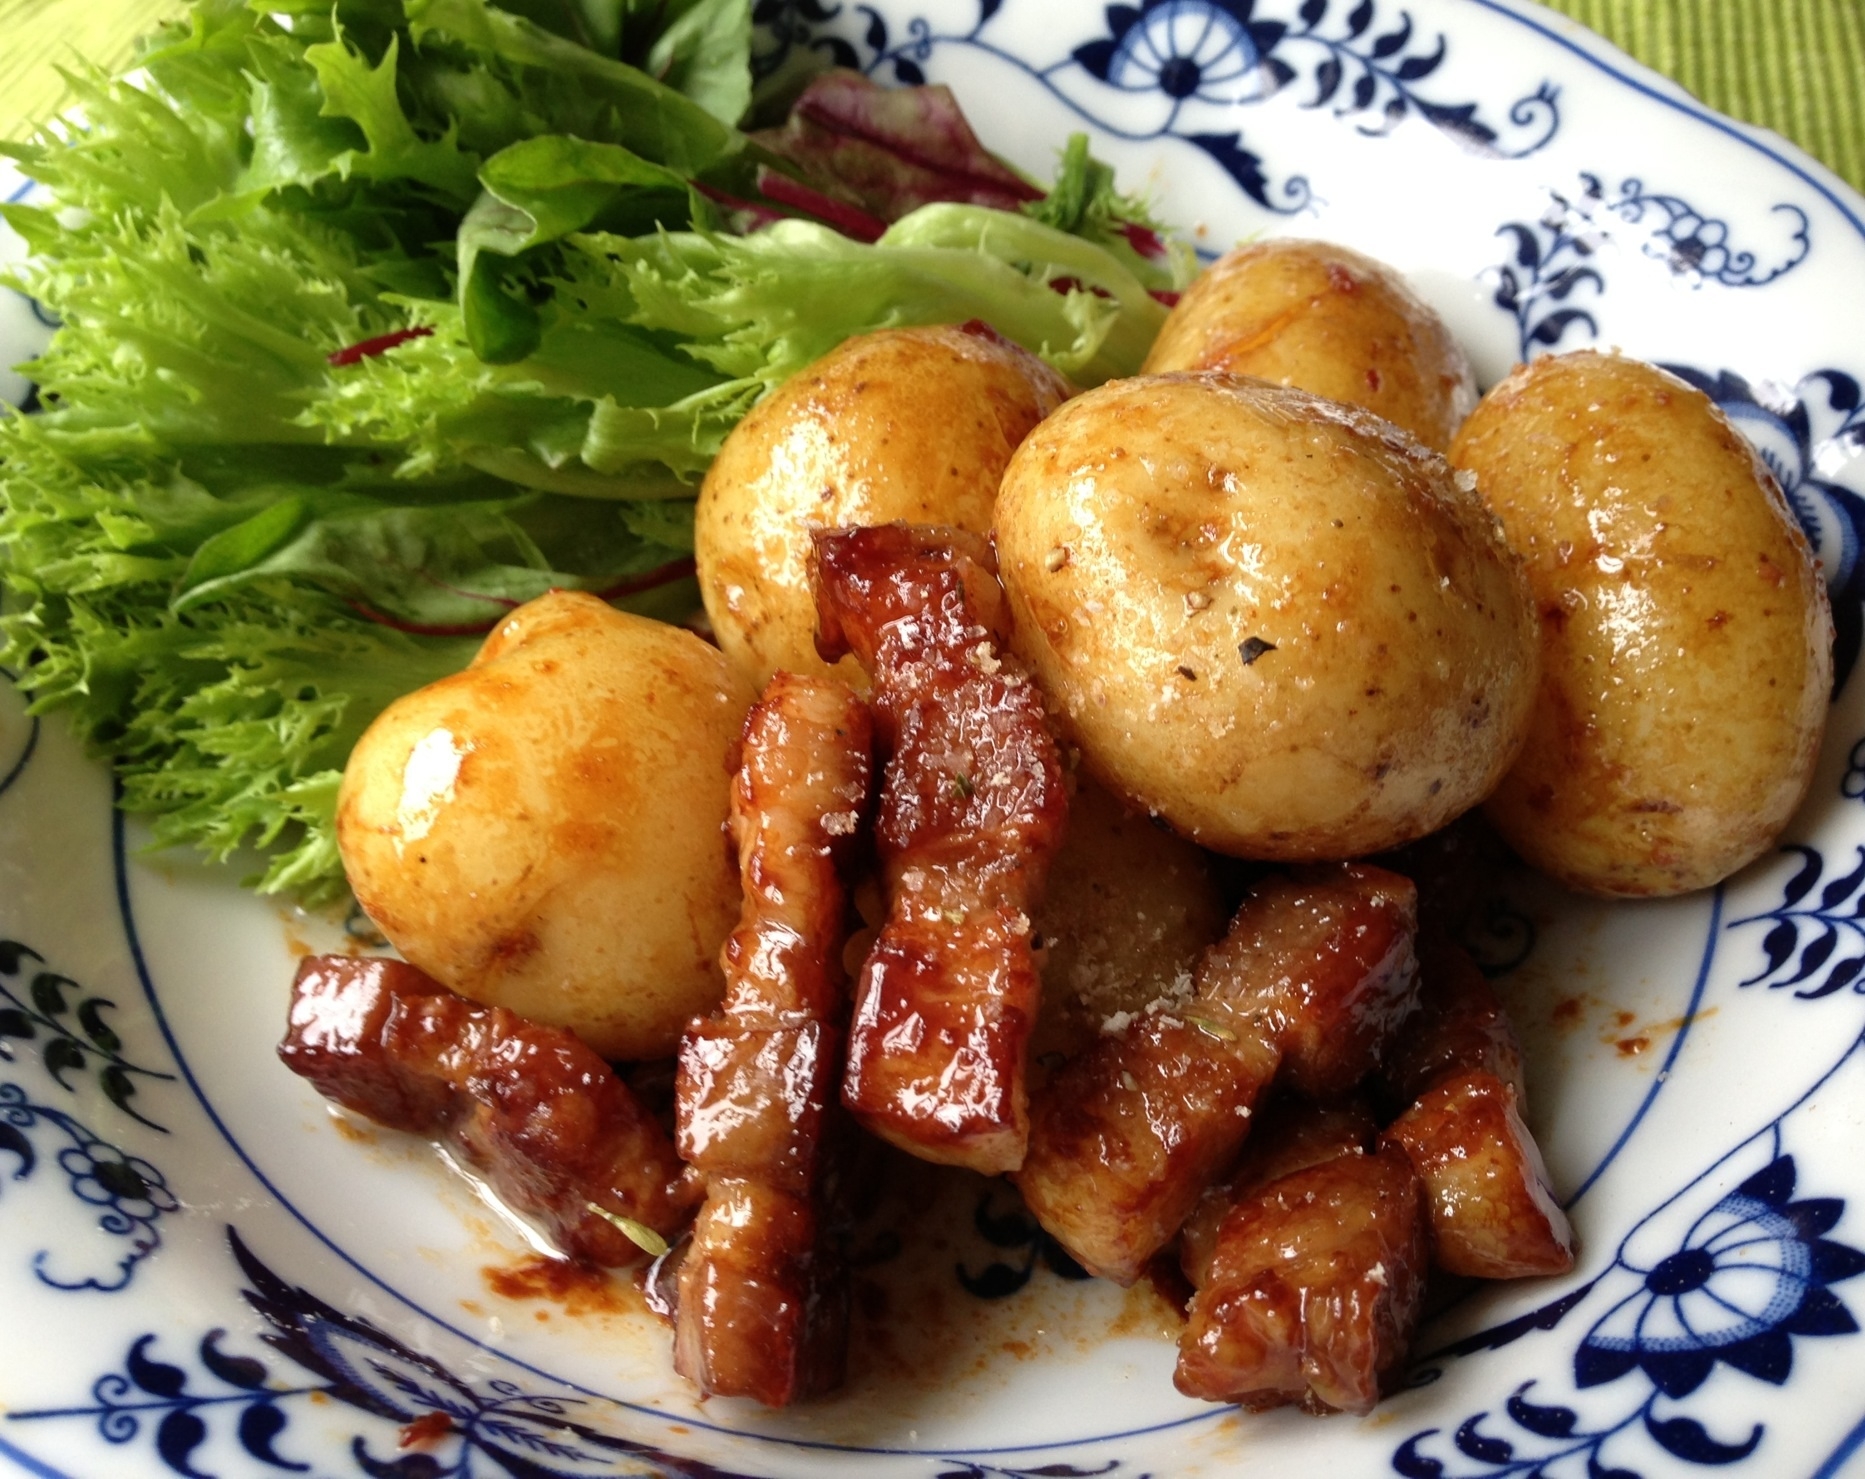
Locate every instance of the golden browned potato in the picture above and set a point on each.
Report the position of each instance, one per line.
(1323, 318)
(912, 424)
(1127, 912)
(1272, 619)
(1685, 634)
(544, 830)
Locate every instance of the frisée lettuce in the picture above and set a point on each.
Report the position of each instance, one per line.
(379, 320)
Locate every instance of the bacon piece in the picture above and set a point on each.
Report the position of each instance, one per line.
(1493, 1215)
(763, 1306)
(762, 1309)
(1315, 972)
(1459, 1027)
(971, 811)
(1290, 1136)
(1313, 1289)
(1457, 1063)
(530, 1107)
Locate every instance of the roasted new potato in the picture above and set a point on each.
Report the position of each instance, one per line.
(1685, 633)
(543, 831)
(1271, 619)
(1328, 320)
(910, 424)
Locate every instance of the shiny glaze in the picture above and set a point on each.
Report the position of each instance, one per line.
(1326, 319)
(914, 424)
(1459, 1027)
(1312, 978)
(971, 811)
(541, 831)
(761, 1310)
(1313, 1288)
(540, 1116)
(1272, 620)
(1493, 1214)
(1670, 579)
(1290, 1136)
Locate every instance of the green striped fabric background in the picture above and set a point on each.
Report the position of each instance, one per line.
(1796, 66)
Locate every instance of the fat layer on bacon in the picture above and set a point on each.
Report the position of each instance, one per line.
(1312, 1289)
(762, 1308)
(1457, 1065)
(1290, 1136)
(1315, 973)
(555, 1133)
(971, 811)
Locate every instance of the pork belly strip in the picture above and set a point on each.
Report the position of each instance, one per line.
(763, 1297)
(1313, 1288)
(1316, 971)
(762, 1307)
(1459, 1027)
(971, 812)
(1289, 1136)
(1458, 1067)
(529, 1107)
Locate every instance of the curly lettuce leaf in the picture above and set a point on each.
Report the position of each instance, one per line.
(381, 317)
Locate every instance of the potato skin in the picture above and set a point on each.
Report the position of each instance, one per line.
(1271, 619)
(543, 831)
(1685, 630)
(1327, 320)
(912, 424)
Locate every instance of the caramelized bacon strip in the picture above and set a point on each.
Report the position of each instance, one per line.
(1457, 1063)
(1313, 1288)
(1315, 973)
(972, 810)
(1290, 1136)
(1493, 1215)
(762, 1311)
(1460, 1027)
(763, 1304)
(538, 1114)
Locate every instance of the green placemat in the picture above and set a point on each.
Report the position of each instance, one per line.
(1795, 66)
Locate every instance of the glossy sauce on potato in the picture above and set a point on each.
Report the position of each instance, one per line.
(1323, 319)
(1273, 620)
(543, 831)
(903, 424)
(1685, 632)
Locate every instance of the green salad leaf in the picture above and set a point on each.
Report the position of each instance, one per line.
(381, 318)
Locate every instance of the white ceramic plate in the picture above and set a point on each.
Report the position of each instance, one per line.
(202, 1273)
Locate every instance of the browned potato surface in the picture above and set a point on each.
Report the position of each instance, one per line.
(1685, 633)
(1273, 620)
(543, 831)
(909, 424)
(1325, 319)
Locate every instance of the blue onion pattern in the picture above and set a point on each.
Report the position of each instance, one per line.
(131, 1193)
(1753, 1273)
(1815, 943)
(69, 1026)
(1749, 1277)
(1553, 279)
(1697, 247)
(1189, 49)
(1197, 59)
(414, 1417)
